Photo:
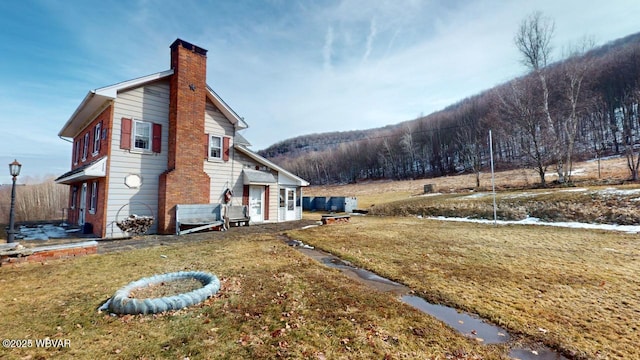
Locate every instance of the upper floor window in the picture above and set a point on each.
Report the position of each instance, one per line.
(85, 148)
(215, 147)
(141, 135)
(97, 131)
(76, 152)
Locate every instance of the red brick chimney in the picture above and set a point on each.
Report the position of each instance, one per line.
(185, 181)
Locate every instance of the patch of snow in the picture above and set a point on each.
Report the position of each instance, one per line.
(631, 229)
(43, 232)
(574, 190)
(614, 191)
(476, 196)
(430, 194)
(606, 158)
(527, 195)
(576, 172)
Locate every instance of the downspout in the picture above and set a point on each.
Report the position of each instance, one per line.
(233, 159)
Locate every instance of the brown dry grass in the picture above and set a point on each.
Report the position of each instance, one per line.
(274, 303)
(371, 193)
(575, 290)
(165, 289)
(603, 205)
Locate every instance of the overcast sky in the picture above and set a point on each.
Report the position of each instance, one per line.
(288, 67)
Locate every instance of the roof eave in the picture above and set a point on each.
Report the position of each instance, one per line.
(94, 170)
(263, 161)
(236, 120)
(96, 99)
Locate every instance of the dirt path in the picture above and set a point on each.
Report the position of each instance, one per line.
(107, 245)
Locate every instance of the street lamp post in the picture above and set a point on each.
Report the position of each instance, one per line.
(14, 170)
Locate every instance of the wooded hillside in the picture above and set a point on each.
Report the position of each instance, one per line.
(585, 106)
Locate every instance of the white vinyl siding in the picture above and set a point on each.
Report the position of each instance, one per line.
(223, 174)
(243, 161)
(152, 105)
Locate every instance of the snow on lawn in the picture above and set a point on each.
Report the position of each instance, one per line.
(614, 191)
(42, 232)
(477, 195)
(576, 172)
(430, 194)
(631, 229)
(526, 195)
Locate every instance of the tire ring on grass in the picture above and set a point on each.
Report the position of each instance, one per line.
(122, 303)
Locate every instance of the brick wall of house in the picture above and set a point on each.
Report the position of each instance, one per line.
(185, 181)
(97, 219)
(104, 119)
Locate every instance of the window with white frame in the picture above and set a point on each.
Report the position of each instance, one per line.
(141, 135)
(96, 138)
(215, 147)
(94, 197)
(85, 148)
(76, 152)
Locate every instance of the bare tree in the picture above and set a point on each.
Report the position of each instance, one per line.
(471, 137)
(574, 69)
(408, 146)
(533, 40)
(520, 115)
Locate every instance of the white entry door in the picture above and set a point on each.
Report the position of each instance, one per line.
(256, 203)
(290, 205)
(82, 208)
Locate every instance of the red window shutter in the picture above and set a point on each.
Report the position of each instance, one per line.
(225, 148)
(125, 134)
(206, 146)
(266, 202)
(245, 195)
(156, 142)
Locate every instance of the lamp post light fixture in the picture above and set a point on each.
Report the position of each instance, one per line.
(14, 170)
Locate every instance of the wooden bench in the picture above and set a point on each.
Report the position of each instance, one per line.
(197, 217)
(332, 219)
(237, 215)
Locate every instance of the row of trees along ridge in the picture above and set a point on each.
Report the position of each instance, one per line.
(585, 106)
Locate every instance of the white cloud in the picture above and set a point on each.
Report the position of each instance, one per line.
(289, 68)
(370, 38)
(327, 50)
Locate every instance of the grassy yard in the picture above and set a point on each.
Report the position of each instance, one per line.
(594, 204)
(574, 290)
(274, 303)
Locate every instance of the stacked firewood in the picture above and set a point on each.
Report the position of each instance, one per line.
(135, 224)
